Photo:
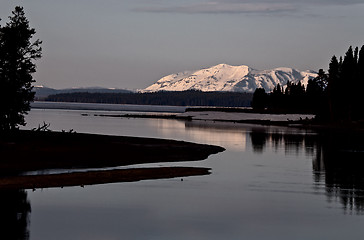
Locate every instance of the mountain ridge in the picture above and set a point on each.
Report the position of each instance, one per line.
(224, 77)
(43, 92)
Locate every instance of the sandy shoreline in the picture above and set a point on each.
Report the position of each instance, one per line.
(25, 151)
(98, 177)
(31, 150)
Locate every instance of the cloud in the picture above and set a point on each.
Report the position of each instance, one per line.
(244, 6)
(303, 2)
(221, 7)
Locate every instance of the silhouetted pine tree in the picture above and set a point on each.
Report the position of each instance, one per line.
(316, 97)
(360, 85)
(334, 88)
(356, 52)
(259, 99)
(276, 98)
(17, 53)
(348, 81)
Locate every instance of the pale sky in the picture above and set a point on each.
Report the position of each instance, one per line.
(133, 43)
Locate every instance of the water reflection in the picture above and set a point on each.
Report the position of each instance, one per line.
(15, 212)
(337, 161)
(269, 195)
(259, 140)
(221, 134)
(290, 142)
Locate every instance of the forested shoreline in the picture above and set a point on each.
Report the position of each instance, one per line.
(183, 98)
(334, 96)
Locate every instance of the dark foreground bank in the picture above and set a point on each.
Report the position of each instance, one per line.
(34, 150)
(25, 151)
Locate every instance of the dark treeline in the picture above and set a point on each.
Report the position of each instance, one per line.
(185, 98)
(334, 96)
(294, 98)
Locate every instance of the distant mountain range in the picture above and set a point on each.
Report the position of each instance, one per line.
(43, 92)
(224, 77)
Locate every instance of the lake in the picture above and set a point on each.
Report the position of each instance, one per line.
(270, 183)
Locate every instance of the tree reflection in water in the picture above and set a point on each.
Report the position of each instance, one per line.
(341, 158)
(259, 140)
(338, 161)
(15, 213)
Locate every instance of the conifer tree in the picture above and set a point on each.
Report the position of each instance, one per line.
(259, 101)
(288, 88)
(361, 61)
(334, 88)
(276, 98)
(17, 53)
(278, 90)
(359, 99)
(316, 95)
(356, 51)
(348, 80)
(315, 86)
(360, 69)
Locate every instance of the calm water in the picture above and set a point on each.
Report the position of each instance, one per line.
(270, 183)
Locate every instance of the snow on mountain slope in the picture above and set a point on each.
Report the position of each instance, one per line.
(224, 77)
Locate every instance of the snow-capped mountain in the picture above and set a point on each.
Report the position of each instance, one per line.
(224, 77)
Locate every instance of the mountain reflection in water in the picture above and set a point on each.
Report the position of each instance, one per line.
(337, 160)
(220, 134)
(15, 213)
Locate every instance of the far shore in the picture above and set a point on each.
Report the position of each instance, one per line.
(303, 121)
(106, 107)
(244, 115)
